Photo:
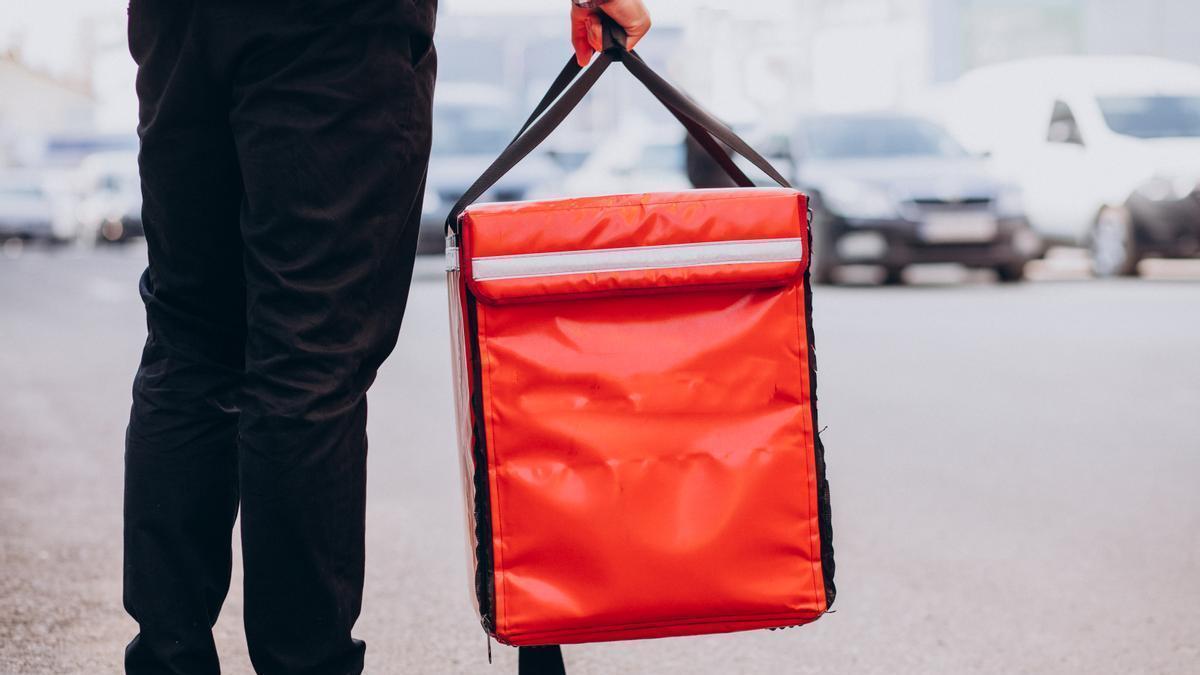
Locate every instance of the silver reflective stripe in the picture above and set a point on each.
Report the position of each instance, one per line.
(637, 258)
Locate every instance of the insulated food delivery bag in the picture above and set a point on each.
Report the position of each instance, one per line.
(635, 394)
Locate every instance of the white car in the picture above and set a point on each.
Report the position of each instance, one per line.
(31, 206)
(110, 204)
(1106, 150)
(634, 159)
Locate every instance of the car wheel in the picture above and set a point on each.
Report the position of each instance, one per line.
(822, 274)
(1114, 248)
(1011, 273)
(824, 257)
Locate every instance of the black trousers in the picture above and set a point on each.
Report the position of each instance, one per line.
(284, 145)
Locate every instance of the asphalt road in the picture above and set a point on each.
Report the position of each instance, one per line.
(1014, 477)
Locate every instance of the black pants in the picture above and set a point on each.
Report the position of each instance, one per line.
(284, 145)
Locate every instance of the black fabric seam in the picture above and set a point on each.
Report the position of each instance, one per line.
(824, 515)
(485, 580)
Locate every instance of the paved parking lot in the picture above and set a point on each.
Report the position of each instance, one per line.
(1014, 478)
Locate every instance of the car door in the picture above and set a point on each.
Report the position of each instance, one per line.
(1059, 183)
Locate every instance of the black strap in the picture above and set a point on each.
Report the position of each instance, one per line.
(615, 39)
(701, 117)
(557, 87)
(533, 136)
(539, 127)
(540, 661)
(705, 140)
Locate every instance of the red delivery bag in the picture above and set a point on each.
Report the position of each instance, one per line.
(635, 393)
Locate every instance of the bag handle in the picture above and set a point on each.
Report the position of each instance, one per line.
(705, 140)
(539, 127)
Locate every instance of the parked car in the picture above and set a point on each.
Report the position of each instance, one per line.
(32, 208)
(892, 190)
(1106, 149)
(634, 159)
(110, 207)
(471, 125)
(775, 146)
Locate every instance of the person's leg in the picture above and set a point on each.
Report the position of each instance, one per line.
(332, 119)
(181, 489)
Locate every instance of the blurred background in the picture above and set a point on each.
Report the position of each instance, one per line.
(1006, 204)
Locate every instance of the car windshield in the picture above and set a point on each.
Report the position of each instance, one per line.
(21, 191)
(471, 130)
(1152, 116)
(877, 137)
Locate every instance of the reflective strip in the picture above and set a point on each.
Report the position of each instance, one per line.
(494, 268)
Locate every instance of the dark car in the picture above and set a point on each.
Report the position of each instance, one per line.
(1160, 219)
(893, 190)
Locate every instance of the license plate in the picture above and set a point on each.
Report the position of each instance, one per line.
(958, 228)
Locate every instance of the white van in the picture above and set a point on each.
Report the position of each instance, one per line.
(1106, 150)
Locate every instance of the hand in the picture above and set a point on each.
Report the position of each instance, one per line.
(586, 31)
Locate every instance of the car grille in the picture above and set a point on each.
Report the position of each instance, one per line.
(968, 203)
(509, 195)
(917, 209)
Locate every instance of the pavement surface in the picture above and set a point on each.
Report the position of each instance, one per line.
(1014, 477)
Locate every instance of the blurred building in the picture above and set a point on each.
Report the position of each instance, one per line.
(970, 33)
(750, 61)
(765, 59)
(36, 103)
(106, 62)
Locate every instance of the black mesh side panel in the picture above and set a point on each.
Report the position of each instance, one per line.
(824, 518)
(485, 581)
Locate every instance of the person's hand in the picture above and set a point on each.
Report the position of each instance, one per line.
(586, 32)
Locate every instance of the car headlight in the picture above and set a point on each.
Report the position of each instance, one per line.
(1010, 203)
(852, 199)
(1163, 188)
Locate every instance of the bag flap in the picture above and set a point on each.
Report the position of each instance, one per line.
(594, 246)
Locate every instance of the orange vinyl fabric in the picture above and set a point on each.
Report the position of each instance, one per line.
(639, 436)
